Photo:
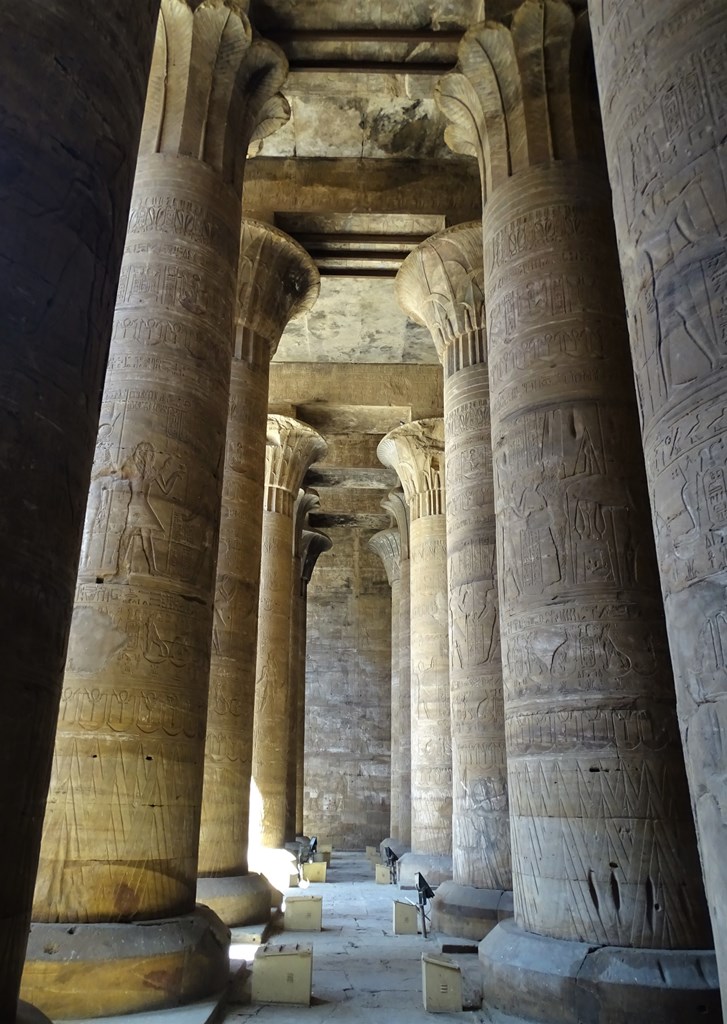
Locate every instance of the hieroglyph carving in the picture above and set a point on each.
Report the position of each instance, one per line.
(662, 76)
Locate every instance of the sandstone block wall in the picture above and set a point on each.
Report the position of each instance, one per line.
(348, 710)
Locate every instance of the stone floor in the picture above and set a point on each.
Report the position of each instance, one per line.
(362, 972)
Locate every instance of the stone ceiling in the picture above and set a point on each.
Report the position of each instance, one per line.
(359, 176)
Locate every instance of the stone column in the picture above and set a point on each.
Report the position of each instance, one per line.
(416, 451)
(605, 874)
(395, 504)
(441, 286)
(277, 281)
(387, 546)
(661, 75)
(313, 545)
(306, 502)
(66, 188)
(292, 447)
(122, 821)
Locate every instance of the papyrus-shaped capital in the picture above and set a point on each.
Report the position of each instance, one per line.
(214, 86)
(277, 281)
(522, 93)
(387, 545)
(416, 451)
(291, 449)
(440, 285)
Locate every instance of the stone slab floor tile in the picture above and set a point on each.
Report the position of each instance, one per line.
(362, 972)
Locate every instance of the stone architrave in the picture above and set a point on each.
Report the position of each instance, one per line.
(395, 504)
(277, 281)
(441, 286)
(66, 187)
(602, 834)
(313, 544)
(416, 451)
(661, 74)
(387, 546)
(292, 447)
(122, 822)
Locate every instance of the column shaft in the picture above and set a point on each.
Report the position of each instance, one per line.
(396, 711)
(405, 703)
(228, 754)
(69, 132)
(130, 742)
(273, 705)
(480, 824)
(661, 75)
(600, 816)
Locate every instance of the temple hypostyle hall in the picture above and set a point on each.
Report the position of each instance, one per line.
(363, 474)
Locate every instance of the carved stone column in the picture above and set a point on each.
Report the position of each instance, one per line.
(441, 286)
(65, 189)
(122, 821)
(292, 447)
(605, 873)
(395, 504)
(416, 451)
(661, 74)
(387, 546)
(312, 545)
(277, 281)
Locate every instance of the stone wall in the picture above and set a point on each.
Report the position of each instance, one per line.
(348, 713)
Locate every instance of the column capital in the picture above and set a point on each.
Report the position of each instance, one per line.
(277, 282)
(387, 545)
(213, 88)
(291, 449)
(440, 285)
(304, 504)
(312, 545)
(521, 93)
(396, 505)
(416, 451)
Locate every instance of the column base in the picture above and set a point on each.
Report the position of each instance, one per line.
(468, 912)
(394, 845)
(237, 899)
(435, 867)
(28, 1014)
(278, 866)
(98, 970)
(529, 977)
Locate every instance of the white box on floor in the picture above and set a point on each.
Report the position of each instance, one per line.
(282, 974)
(441, 984)
(405, 918)
(303, 914)
(372, 853)
(383, 874)
(315, 871)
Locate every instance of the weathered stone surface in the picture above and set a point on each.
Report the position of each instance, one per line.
(441, 284)
(597, 792)
(93, 970)
(69, 132)
(291, 448)
(276, 281)
(467, 911)
(534, 978)
(662, 83)
(416, 451)
(237, 899)
(347, 717)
